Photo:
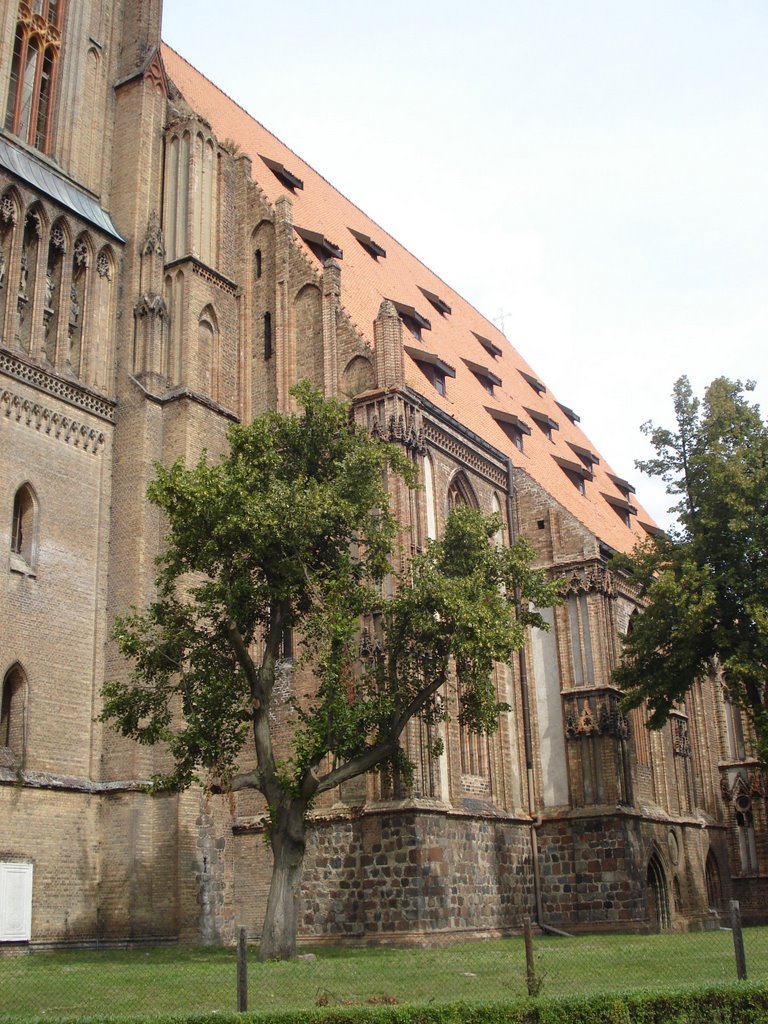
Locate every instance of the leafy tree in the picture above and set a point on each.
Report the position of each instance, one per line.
(706, 584)
(293, 530)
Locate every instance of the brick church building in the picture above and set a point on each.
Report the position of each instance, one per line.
(168, 267)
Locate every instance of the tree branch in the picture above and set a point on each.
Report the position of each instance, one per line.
(358, 765)
(246, 663)
(248, 780)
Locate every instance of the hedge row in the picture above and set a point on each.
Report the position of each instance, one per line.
(742, 1004)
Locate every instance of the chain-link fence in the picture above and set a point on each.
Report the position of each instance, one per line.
(176, 979)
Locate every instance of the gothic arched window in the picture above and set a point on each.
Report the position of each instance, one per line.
(24, 526)
(12, 711)
(33, 71)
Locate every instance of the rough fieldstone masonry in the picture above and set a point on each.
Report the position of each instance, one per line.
(167, 268)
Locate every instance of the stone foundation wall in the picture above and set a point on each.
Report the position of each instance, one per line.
(401, 875)
(594, 872)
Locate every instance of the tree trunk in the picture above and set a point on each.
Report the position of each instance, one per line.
(278, 937)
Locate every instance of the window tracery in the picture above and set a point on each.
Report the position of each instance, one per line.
(34, 67)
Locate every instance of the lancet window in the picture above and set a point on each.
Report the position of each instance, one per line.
(12, 711)
(23, 528)
(34, 67)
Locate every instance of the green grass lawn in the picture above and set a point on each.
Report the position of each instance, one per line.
(182, 979)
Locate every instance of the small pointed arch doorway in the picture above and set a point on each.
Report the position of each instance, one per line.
(657, 895)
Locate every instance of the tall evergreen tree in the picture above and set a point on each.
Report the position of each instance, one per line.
(706, 584)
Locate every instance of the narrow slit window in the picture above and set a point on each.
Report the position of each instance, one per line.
(267, 335)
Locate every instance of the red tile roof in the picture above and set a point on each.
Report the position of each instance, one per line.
(399, 275)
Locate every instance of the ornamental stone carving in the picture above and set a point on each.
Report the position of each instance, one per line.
(681, 743)
(595, 715)
(103, 268)
(151, 306)
(153, 240)
(58, 239)
(590, 579)
(8, 210)
(400, 430)
(81, 254)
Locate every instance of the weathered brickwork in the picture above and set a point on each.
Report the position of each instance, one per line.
(153, 291)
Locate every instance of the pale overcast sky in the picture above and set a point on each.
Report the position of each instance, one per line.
(591, 174)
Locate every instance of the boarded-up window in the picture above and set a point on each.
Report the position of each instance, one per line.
(15, 902)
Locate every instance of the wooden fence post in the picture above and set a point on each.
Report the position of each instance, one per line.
(738, 941)
(242, 971)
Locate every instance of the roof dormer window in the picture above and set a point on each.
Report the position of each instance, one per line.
(534, 382)
(319, 244)
(572, 416)
(490, 347)
(412, 319)
(371, 247)
(487, 377)
(588, 458)
(576, 473)
(623, 509)
(545, 424)
(432, 366)
(283, 175)
(440, 305)
(511, 425)
(624, 486)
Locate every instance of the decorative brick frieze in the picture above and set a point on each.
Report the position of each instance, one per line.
(79, 435)
(73, 394)
(206, 273)
(464, 454)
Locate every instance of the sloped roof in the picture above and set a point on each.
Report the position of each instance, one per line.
(453, 337)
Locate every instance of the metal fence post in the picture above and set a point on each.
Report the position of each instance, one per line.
(242, 971)
(530, 967)
(738, 941)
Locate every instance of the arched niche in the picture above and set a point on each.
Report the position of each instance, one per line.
(358, 376)
(657, 894)
(308, 337)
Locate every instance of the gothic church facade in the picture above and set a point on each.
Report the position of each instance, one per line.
(168, 267)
